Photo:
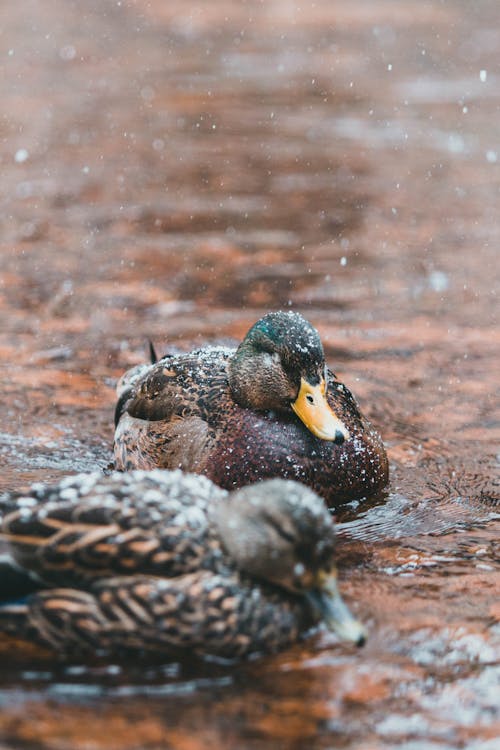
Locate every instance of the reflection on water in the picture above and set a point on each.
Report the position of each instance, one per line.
(189, 168)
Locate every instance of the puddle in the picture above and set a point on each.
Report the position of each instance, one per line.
(171, 172)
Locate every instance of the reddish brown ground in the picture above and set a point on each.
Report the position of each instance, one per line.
(173, 170)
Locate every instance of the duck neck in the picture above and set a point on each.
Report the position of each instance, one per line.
(225, 528)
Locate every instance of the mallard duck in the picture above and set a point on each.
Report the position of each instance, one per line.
(269, 408)
(168, 562)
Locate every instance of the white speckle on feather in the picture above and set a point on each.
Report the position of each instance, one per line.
(299, 569)
(69, 493)
(25, 502)
(193, 517)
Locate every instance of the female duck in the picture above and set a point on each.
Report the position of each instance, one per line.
(269, 408)
(167, 562)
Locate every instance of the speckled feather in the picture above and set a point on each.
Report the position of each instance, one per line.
(89, 527)
(198, 613)
(180, 412)
(165, 561)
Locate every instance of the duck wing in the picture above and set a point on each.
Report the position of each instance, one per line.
(171, 414)
(202, 612)
(89, 526)
(180, 386)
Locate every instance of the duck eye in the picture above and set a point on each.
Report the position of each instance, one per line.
(309, 399)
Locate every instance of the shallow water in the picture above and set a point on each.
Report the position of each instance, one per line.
(173, 171)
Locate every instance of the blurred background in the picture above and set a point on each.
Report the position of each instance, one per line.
(173, 170)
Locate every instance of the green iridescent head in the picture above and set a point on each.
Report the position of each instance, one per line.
(280, 365)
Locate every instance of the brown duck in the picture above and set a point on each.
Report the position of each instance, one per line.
(167, 562)
(269, 408)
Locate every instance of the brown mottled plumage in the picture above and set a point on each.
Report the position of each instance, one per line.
(234, 415)
(166, 561)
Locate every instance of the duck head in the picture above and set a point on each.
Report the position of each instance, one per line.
(280, 531)
(280, 365)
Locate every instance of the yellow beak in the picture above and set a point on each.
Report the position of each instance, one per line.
(328, 603)
(314, 410)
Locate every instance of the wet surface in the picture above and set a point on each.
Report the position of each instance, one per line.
(173, 171)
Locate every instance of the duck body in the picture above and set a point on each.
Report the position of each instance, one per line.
(168, 562)
(189, 411)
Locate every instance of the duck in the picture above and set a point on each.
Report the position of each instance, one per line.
(168, 563)
(269, 408)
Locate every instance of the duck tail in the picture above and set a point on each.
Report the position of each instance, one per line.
(64, 620)
(15, 620)
(152, 353)
(15, 581)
